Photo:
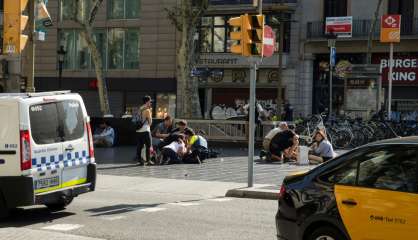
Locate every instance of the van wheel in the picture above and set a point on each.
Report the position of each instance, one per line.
(326, 233)
(60, 204)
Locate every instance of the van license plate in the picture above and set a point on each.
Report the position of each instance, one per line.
(47, 182)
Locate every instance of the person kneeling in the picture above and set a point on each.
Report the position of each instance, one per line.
(173, 152)
(197, 147)
(322, 149)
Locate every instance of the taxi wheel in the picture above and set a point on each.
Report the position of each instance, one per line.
(59, 205)
(326, 233)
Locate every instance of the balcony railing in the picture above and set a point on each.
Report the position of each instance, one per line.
(361, 28)
(247, 2)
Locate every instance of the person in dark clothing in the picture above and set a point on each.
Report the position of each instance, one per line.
(173, 136)
(282, 143)
(143, 121)
(197, 147)
(288, 112)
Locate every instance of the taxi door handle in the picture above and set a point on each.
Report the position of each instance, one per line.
(349, 202)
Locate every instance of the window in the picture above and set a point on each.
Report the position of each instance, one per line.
(345, 175)
(335, 8)
(214, 32)
(100, 39)
(113, 45)
(67, 9)
(82, 53)
(123, 45)
(274, 22)
(67, 40)
(72, 119)
(393, 168)
(123, 9)
(116, 48)
(56, 122)
(131, 49)
(166, 105)
(44, 123)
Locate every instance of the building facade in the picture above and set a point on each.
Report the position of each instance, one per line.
(138, 47)
(224, 78)
(314, 52)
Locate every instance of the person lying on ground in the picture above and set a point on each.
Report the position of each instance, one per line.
(172, 136)
(174, 152)
(322, 149)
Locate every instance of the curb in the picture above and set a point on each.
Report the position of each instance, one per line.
(254, 193)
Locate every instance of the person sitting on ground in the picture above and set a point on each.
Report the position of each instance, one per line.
(292, 153)
(104, 136)
(174, 152)
(162, 131)
(284, 140)
(173, 135)
(322, 148)
(197, 147)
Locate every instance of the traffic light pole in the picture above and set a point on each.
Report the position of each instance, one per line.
(251, 123)
(30, 87)
(254, 62)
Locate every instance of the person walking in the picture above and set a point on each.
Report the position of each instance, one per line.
(143, 121)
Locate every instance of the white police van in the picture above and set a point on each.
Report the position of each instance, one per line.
(46, 150)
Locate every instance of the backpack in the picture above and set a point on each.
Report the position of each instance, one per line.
(138, 121)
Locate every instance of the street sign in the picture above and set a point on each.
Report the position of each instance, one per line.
(268, 41)
(333, 56)
(340, 26)
(390, 31)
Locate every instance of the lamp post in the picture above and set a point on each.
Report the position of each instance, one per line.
(61, 57)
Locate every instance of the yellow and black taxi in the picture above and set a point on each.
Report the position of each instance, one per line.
(368, 193)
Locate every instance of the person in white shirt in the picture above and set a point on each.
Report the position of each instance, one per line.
(173, 152)
(104, 136)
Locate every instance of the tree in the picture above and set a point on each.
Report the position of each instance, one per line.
(86, 23)
(371, 33)
(186, 17)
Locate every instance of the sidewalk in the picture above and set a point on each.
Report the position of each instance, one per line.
(230, 167)
(26, 233)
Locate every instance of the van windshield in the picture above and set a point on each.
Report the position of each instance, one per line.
(56, 122)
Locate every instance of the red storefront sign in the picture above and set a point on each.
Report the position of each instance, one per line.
(405, 68)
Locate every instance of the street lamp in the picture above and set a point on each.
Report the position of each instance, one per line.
(61, 57)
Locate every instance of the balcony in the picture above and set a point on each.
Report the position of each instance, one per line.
(247, 2)
(361, 28)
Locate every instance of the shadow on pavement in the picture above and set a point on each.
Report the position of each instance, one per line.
(119, 209)
(23, 217)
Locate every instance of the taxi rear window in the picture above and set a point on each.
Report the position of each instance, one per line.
(56, 122)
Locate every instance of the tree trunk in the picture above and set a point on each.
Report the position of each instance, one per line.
(87, 34)
(188, 87)
(371, 33)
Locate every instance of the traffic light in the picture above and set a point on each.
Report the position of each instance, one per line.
(257, 34)
(14, 24)
(248, 32)
(239, 34)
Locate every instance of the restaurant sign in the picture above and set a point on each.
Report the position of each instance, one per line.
(405, 68)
